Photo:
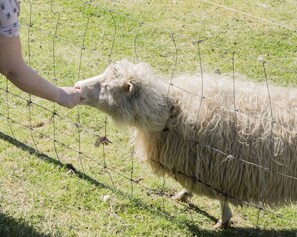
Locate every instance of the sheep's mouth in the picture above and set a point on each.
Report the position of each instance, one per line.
(82, 100)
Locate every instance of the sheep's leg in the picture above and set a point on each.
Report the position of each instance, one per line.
(226, 215)
(182, 195)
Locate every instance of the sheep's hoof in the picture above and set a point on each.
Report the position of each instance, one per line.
(221, 225)
(182, 196)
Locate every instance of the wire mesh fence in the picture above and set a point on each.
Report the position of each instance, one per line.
(67, 45)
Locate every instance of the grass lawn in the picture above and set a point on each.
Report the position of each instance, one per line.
(54, 179)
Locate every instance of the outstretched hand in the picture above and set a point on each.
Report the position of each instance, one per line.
(68, 97)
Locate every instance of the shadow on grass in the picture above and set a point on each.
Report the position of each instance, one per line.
(253, 232)
(10, 225)
(242, 232)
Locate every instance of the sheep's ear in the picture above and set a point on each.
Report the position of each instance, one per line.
(129, 86)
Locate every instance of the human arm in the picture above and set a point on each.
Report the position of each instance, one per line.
(13, 66)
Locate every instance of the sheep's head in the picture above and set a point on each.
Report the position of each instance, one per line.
(130, 94)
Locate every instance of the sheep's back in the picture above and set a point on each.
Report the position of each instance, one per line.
(237, 142)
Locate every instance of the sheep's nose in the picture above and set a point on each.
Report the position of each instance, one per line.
(77, 89)
(77, 85)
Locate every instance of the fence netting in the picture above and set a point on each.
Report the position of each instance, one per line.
(67, 45)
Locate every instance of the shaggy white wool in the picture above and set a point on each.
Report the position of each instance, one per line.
(217, 137)
(210, 148)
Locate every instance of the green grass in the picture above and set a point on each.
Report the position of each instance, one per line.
(41, 194)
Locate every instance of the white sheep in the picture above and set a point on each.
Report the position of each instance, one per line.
(227, 139)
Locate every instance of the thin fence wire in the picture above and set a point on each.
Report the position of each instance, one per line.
(270, 22)
(83, 158)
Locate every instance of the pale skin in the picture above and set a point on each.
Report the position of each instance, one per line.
(13, 66)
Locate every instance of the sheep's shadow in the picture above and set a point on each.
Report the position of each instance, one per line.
(236, 231)
(253, 232)
(12, 227)
(242, 232)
